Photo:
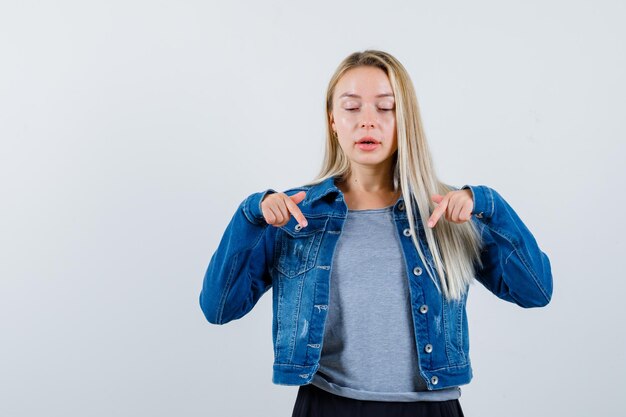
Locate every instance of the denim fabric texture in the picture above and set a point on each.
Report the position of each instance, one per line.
(296, 262)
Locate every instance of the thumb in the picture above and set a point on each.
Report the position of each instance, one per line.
(298, 197)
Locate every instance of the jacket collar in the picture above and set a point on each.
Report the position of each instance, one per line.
(318, 191)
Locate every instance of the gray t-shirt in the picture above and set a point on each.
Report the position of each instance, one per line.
(369, 350)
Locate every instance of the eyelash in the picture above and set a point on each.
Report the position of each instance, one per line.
(378, 109)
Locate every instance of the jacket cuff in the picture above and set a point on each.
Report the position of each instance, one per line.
(483, 200)
(252, 206)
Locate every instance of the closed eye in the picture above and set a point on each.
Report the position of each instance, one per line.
(355, 109)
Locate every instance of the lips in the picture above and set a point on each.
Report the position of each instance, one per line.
(368, 139)
(367, 144)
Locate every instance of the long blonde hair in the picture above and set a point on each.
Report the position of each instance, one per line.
(454, 247)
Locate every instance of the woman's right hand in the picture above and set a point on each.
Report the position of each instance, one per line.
(277, 208)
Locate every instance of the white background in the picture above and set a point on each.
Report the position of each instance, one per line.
(130, 131)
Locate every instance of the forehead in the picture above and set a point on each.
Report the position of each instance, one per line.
(363, 82)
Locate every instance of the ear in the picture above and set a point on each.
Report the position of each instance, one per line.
(332, 121)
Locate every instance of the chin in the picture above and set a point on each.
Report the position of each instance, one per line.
(368, 160)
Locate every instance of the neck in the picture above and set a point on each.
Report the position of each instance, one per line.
(368, 180)
(368, 188)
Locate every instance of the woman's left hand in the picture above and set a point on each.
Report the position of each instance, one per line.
(456, 205)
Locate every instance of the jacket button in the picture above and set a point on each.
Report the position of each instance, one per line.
(297, 227)
(428, 348)
(480, 215)
(417, 270)
(401, 206)
(434, 379)
(407, 232)
(423, 309)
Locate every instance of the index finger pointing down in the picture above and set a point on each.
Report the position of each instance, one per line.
(295, 210)
(437, 213)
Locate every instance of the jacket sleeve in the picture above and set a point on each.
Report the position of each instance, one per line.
(238, 272)
(514, 267)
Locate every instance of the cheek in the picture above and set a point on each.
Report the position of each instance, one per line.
(344, 121)
(390, 125)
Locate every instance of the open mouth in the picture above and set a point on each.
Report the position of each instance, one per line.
(367, 144)
(368, 140)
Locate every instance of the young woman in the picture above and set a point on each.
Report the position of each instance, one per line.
(371, 262)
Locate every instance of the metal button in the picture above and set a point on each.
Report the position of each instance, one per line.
(297, 227)
(401, 206)
(428, 348)
(417, 270)
(480, 215)
(407, 232)
(434, 379)
(423, 309)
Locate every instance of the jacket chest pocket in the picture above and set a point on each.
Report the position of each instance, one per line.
(297, 248)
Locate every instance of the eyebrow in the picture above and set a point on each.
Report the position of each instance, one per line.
(358, 96)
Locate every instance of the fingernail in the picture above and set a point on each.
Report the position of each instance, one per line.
(305, 224)
(430, 223)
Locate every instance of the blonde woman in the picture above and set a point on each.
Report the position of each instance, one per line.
(371, 262)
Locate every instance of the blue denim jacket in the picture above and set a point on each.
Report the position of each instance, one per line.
(254, 256)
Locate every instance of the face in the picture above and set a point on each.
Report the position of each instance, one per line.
(364, 110)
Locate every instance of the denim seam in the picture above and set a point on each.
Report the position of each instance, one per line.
(491, 198)
(278, 316)
(246, 210)
(230, 279)
(294, 334)
(465, 365)
(292, 365)
(220, 311)
(444, 314)
(524, 261)
(459, 333)
(307, 356)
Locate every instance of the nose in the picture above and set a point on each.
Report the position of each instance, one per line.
(368, 119)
